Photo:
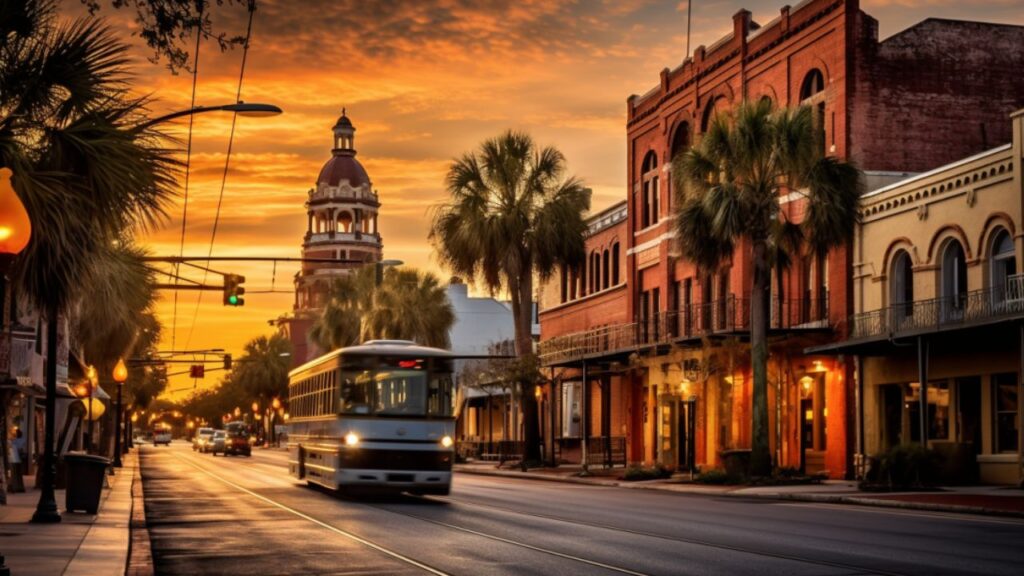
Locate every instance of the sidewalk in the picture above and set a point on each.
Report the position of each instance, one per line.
(80, 544)
(988, 500)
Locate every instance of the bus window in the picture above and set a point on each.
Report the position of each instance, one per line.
(401, 392)
(355, 392)
(439, 395)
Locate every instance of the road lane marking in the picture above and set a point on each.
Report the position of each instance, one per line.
(320, 523)
(515, 543)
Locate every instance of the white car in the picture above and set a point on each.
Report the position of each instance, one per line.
(162, 437)
(201, 438)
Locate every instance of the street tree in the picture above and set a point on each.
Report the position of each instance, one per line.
(85, 171)
(262, 370)
(728, 189)
(167, 26)
(408, 304)
(513, 217)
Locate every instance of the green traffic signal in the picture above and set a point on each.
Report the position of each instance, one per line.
(233, 290)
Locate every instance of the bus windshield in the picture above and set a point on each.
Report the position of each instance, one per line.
(397, 387)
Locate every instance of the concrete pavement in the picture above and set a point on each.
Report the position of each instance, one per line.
(81, 544)
(988, 500)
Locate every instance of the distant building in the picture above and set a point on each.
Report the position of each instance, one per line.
(342, 224)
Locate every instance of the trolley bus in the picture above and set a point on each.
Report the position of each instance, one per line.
(374, 416)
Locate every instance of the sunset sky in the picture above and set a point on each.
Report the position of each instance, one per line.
(423, 81)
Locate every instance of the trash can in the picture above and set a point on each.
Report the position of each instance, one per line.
(86, 474)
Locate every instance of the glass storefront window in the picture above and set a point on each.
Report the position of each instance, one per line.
(938, 410)
(1006, 407)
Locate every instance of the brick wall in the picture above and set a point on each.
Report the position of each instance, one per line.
(935, 93)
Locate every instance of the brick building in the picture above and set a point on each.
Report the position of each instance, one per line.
(933, 93)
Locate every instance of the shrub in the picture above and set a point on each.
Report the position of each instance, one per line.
(717, 477)
(906, 467)
(636, 473)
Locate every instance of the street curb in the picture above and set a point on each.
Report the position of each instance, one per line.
(140, 552)
(883, 503)
(540, 477)
(816, 498)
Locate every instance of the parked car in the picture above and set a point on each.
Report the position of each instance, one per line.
(237, 442)
(202, 436)
(162, 436)
(216, 442)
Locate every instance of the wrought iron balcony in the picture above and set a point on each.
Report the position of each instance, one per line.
(730, 316)
(971, 308)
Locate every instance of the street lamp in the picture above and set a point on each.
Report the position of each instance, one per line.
(15, 232)
(380, 266)
(120, 375)
(240, 108)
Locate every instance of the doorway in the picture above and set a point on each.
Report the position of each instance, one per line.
(687, 435)
(968, 412)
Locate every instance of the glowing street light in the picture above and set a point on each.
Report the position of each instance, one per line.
(120, 375)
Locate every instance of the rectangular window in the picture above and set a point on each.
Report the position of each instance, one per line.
(655, 193)
(938, 410)
(1004, 396)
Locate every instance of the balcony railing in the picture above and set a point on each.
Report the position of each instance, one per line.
(969, 308)
(15, 357)
(692, 322)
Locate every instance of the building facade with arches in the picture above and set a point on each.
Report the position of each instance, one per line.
(888, 106)
(939, 298)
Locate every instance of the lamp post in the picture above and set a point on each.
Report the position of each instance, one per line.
(240, 108)
(15, 232)
(380, 266)
(120, 375)
(275, 405)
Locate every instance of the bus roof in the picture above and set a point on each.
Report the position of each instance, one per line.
(403, 348)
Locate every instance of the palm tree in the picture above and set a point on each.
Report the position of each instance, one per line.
(407, 305)
(728, 189)
(86, 174)
(513, 216)
(340, 322)
(411, 305)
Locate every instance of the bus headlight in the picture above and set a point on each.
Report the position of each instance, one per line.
(447, 441)
(351, 439)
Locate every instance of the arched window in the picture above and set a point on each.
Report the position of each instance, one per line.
(604, 269)
(649, 190)
(595, 272)
(1002, 263)
(812, 93)
(680, 140)
(814, 83)
(953, 279)
(709, 115)
(344, 222)
(901, 285)
(615, 264)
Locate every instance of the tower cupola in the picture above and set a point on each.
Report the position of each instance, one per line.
(344, 135)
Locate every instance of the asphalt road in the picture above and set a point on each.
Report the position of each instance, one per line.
(235, 515)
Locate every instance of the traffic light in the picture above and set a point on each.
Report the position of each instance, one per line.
(227, 361)
(196, 371)
(233, 290)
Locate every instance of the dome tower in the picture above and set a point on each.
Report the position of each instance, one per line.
(342, 220)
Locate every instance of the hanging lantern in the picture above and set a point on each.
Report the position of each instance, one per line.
(15, 226)
(93, 407)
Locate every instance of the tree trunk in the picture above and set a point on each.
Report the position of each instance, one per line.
(760, 457)
(522, 310)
